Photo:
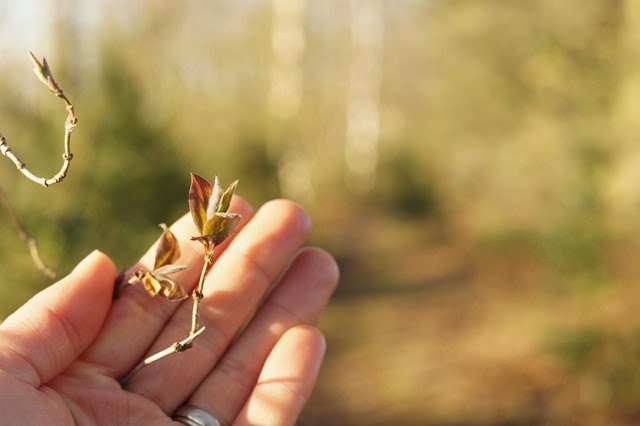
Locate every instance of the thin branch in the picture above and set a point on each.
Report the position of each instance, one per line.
(175, 348)
(198, 293)
(43, 72)
(208, 205)
(26, 237)
(195, 331)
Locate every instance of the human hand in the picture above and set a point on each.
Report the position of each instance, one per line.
(61, 353)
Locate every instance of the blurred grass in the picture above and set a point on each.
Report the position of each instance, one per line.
(489, 275)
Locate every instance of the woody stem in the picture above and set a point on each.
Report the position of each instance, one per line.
(198, 292)
(25, 236)
(176, 347)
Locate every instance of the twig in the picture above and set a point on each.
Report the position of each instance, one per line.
(198, 293)
(26, 237)
(209, 205)
(175, 348)
(44, 74)
(195, 331)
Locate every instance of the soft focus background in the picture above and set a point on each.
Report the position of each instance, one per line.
(473, 165)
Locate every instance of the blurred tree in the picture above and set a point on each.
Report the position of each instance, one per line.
(140, 180)
(363, 94)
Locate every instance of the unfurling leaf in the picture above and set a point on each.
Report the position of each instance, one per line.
(214, 200)
(39, 69)
(157, 283)
(209, 205)
(225, 201)
(199, 195)
(220, 226)
(43, 72)
(168, 250)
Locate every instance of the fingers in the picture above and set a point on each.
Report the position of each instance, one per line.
(299, 298)
(48, 333)
(287, 379)
(233, 288)
(136, 318)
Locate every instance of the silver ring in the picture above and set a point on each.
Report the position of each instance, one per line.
(193, 416)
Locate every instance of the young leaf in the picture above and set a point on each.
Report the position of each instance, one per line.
(220, 226)
(47, 70)
(212, 206)
(43, 72)
(225, 201)
(199, 195)
(39, 69)
(53, 86)
(168, 250)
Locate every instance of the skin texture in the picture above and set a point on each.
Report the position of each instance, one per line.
(62, 352)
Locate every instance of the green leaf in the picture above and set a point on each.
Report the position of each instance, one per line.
(220, 226)
(199, 195)
(44, 74)
(168, 250)
(225, 201)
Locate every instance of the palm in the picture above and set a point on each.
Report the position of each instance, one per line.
(81, 395)
(62, 353)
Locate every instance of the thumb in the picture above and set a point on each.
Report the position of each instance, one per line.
(46, 334)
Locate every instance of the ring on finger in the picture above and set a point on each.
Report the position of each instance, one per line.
(190, 415)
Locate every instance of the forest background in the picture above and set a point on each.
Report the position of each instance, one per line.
(473, 166)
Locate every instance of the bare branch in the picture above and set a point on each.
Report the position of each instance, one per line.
(198, 292)
(208, 205)
(175, 348)
(44, 74)
(26, 237)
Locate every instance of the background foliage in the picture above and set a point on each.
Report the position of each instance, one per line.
(484, 214)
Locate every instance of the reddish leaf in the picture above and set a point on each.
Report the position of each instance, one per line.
(199, 195)
(168, 250)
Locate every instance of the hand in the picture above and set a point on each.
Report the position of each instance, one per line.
(61, 354)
